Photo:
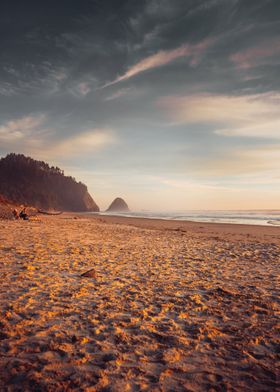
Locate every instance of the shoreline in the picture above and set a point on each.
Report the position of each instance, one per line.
(243, 217)
(261, 232)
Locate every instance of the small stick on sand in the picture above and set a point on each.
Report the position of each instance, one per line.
(89, 274)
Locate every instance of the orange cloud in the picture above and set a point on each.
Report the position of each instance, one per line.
(164, 57)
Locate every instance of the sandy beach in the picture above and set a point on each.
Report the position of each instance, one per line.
(169, 306)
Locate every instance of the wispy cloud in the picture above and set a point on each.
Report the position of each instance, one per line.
(80, 90)
(84, 142)
(260, 54)
(18, 129)
(7, 89)
(250, 115)
(264, 129)
(243, 161)
(84, 88)
(120, 93)
(29, 135)
(164, 57)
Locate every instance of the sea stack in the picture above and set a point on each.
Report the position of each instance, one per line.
(118, 205)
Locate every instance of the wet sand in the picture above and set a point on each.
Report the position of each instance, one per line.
(169, 306)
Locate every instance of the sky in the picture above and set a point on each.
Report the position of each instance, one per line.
(170, 104)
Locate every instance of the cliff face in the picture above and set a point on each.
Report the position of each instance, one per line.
(26, 181)
(89, 203)
(4, 201)
(118, 205)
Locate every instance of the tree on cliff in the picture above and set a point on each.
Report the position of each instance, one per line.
(27, 181)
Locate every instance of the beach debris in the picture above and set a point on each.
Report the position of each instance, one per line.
(89, 274)
(49, 212)
(3, 336)
(74, 339)
(223, 291)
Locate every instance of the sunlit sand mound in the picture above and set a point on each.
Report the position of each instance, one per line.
(94, 306)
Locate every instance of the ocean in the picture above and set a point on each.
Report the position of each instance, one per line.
(248, 217)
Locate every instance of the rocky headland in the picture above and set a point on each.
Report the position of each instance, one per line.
(35, 183)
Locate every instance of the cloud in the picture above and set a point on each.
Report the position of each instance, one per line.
(249, 115)
(184, 184)
(164, 57)
(242, 161)
(80, 90)
(84, 88)
(18, 129)
(120, 93)
(29, 135)
(231, 162)
(265, 129)
(83, 143)
(7, 89)
(257, 55)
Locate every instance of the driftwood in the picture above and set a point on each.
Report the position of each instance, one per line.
(89, 274)
(49, 213)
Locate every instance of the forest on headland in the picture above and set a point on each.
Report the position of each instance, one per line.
(24, 180)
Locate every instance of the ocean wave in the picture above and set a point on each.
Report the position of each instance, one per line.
(274, 222)
(263, 217)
